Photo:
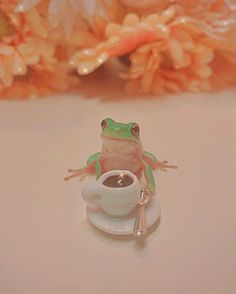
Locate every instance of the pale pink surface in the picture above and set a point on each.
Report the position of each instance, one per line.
(48, 247)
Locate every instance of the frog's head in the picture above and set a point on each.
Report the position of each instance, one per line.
(120, 131)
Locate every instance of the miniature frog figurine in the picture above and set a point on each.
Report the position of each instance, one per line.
(121, 150)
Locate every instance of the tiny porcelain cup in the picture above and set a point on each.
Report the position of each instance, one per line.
(115, 201)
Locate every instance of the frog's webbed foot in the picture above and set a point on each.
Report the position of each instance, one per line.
(81, 173)
(163, 165)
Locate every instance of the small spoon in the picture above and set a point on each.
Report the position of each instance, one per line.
(140, 229)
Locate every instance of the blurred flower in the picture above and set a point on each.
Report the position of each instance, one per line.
(158, 69)
(25, 47)
(168, 52)
(39, 84)
(166, 46)
(145, 4)
(231, 4)
(25, 5)
(5, 26)
(16, 58)
(60, 12)
(63, 13)
(155, 4)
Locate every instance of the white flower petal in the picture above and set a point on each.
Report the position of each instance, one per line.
(6, 50)
(25, 5)
(86, 7)
(231, 4)
(56, 11)
(69, 20)
(18, 67)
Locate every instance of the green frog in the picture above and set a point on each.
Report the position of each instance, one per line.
(121, 150)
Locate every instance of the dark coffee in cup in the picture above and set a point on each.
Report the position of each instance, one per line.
(118, 181)
(116, 192)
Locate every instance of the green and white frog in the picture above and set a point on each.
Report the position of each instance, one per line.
(121, 150)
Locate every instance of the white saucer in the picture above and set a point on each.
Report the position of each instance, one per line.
(122, 225)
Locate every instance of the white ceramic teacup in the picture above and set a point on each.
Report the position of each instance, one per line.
(115, 201)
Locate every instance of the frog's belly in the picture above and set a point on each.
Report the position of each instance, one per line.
(133, 165)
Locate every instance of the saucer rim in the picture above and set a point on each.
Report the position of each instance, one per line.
(89, 211)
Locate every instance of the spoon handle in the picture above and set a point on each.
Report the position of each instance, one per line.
(140, 229)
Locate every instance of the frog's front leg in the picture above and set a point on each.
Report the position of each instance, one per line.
(155, 163)
(93, 166)
(95, 162)
(81, 173)
(149, 176)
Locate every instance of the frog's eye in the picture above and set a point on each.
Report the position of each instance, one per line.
(103, 124)
(135, 130)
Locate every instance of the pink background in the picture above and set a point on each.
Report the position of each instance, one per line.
(46, 244)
